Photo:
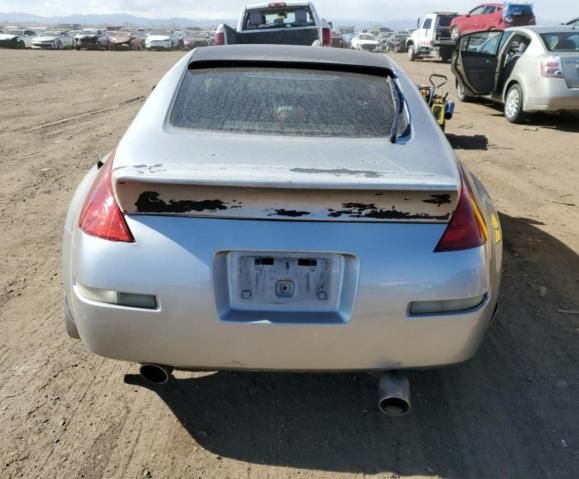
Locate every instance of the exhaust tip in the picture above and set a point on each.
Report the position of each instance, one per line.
(394, 394)
(394, 407)
(155, 374)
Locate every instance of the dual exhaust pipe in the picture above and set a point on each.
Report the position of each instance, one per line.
(393, 388)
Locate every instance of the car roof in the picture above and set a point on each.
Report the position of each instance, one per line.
(291, 54)
(544, 29)
(256, 6)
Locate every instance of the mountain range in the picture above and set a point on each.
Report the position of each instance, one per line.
(121, 19)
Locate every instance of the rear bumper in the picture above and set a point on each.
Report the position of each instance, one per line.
(552, 95)
(187, 330)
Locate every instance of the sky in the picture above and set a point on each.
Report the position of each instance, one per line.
(332, 10)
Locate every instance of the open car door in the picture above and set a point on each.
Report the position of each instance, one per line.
(476, 61)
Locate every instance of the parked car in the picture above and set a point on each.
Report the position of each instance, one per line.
(92, 39)
(293, 23)
(53, 40)
(248, 255)
(195, 40)
(396, 42)
(528, 69)
(23, 34)
(493, 16)
(366, 42)
(347, 39)
(337, 40)
(11, 40)
(432, 37)
(123, 40)
(162, 40)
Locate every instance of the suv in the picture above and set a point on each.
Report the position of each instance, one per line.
(493, 16)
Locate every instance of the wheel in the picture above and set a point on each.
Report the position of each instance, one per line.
(461, 93)
(514, 104)
(59, 45)
(455, 33)
(411, 53)
(21, 46)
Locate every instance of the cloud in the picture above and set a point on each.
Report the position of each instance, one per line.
(338, 10)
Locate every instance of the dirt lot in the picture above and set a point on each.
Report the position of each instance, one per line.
(512, 412)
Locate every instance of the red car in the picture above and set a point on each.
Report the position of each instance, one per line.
(493, 16)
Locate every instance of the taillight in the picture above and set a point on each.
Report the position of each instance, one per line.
(552, 68)
(220, 38)
(326, 37)
(101, 215)
(467, 228)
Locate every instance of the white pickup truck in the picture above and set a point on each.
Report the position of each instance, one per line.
(432, 38)
(287, 23)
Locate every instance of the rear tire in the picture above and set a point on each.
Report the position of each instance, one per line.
(411, 53)
(514, 104)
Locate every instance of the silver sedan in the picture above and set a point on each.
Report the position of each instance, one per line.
(529, 69)
(283, 208)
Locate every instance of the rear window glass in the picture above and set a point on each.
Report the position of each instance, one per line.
(445, 21)
(285, 102)
(519, 10)
(278, 18)
(561, 42)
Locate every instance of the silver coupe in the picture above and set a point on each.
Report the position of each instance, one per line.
(283, 208)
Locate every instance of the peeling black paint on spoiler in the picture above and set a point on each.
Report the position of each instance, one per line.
(439, 200)
(370, 210)
(149, 202)
(337, 172)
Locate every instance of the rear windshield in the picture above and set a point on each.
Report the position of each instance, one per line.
(561, 42)
(519, 10)
(279, 18)
(280, 101)
(444, 21)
